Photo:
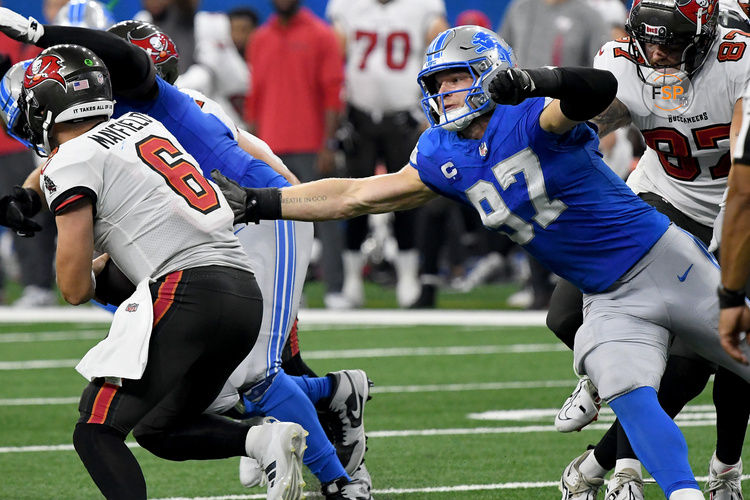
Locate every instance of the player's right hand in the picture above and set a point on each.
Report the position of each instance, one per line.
(20, 28)
(511, 86)
(16, 210)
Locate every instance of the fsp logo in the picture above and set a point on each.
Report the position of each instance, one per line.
(667, 92)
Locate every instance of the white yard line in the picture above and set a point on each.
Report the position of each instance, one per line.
(307, 316)
(473, 431)
(389, 352)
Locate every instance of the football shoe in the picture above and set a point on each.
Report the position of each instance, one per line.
(626, 484)
(724, 483)
(580, 409)
(575, 486)
(350, 391)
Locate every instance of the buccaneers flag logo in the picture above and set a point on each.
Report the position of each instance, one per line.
(44, 68)
(159, 47)
(691, 9)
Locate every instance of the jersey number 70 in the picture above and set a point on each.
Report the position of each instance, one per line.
(495, 212)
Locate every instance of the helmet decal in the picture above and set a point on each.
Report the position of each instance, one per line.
(691, 8)
(158, 46)
(44, 68)
(484, 42)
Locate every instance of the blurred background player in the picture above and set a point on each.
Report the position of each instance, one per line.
(384, 41)
(304, 140)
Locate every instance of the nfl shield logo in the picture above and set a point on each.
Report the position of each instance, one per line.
(483, 149)
(132, 307)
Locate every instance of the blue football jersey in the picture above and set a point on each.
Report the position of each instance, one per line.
(204, 136)
(551, 193)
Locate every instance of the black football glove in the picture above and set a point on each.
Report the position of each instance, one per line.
(17, 209)
(249, 204)
(511, 86)
(233, 192)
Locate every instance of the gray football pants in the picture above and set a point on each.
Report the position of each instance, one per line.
(623, 342)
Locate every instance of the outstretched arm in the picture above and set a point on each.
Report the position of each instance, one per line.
(328, 199)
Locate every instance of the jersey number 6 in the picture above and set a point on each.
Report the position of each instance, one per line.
(183, 177)
(494, 211)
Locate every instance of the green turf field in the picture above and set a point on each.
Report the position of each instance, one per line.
(426, 440)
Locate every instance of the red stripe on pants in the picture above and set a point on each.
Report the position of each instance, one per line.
(101, 404)
(165, 296)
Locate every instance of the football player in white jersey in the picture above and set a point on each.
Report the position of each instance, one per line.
(384, 41)
(279, 251)
(145, 205)
(683, 173)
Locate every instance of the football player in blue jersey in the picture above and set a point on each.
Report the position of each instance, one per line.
(216, 143)
(513, 144)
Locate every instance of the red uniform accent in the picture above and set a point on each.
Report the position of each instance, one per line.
(297, 74)
(165, 296)
(294, 339)
(17, 52)
(67, 202)
(101, 404)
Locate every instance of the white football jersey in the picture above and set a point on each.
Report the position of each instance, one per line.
(385, 50)
(687, 159)
(154, 213)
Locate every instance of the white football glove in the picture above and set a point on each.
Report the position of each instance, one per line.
(20, 28)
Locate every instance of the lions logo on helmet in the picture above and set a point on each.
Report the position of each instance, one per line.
(474, 49)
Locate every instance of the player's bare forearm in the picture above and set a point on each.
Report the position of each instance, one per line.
(331, 199)
(734, 127)
(615, 116)
(32, 181)
(735, 239)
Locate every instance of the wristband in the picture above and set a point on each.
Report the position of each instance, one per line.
(263, 203)
(730, 298)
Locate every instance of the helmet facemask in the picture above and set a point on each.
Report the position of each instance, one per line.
(478, 52)
(670, 24)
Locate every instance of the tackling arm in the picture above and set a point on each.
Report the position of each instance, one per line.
(328, 199)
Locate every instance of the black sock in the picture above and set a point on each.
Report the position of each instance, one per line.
(732, 408)
(109, 461)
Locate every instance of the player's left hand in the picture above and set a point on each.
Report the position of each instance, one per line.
(732, 322)
(20, 28)
(511, 86)
(235, 194)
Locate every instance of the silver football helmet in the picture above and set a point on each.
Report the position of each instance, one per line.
(10, 114)
(473, 48)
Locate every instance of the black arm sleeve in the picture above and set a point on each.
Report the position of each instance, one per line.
(130, 68)
(583, 92)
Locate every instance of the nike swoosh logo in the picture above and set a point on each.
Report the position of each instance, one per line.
(684, 276)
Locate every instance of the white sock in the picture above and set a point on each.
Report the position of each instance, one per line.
(720, 466)
(687, 494)
(629, 463)
(590, 467)
(254, 440)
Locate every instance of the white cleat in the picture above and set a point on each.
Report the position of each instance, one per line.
(278, 447)
(724, 483)
(626, 484)
(580, 409)
(576, 486)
